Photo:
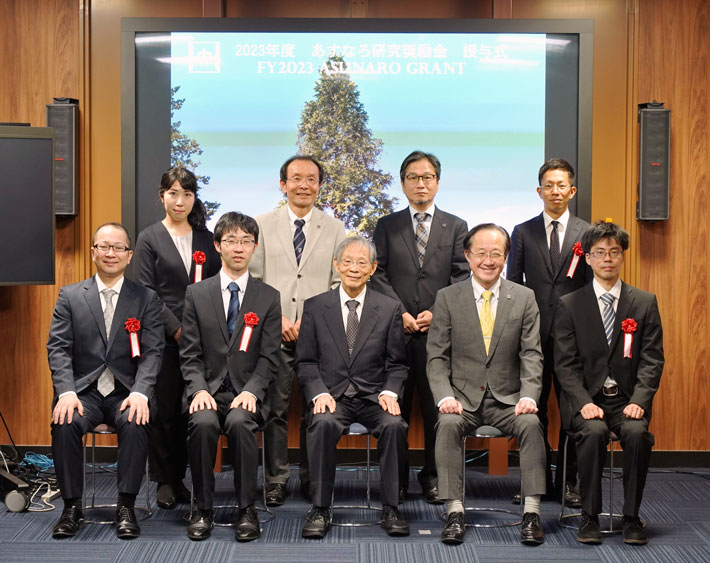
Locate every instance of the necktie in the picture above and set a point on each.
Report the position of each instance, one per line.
(233, 309)
(487, 320)
(105, 383)
(555, 247)
(609, 315)
(299, 239)
(351, 335)
(421, 236)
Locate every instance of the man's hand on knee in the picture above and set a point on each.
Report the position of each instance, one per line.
(451, 406)
(201, 401)
(245, 400)
(137, 406)
(324, 402)
(525, 406)
(65, 408)
(634, 411)
(591, 411)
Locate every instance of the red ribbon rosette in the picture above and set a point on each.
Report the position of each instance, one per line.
(132, 326)
(199, 258)
(577, 253)
(629, 326)
(250, 320)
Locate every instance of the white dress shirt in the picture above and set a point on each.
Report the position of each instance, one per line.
(293, 217)
(561, 228)
(427, 222)
(183, 243)
(224, 281)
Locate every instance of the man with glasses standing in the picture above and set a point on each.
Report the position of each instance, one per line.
(546, 257)
(419, 251)
(609, 359)
(105, 348)
(231, 327)
(295, 255)
(485, 367)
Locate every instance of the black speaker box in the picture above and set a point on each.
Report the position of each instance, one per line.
(63, 116)
(654, 162)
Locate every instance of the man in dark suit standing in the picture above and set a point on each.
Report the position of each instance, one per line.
(609, 359)
(485, 367)
(231, 331)
(350, 361)
(546, 257)
(105, 346)
(419, 251)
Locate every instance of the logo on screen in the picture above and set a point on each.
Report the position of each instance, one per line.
(204, 57)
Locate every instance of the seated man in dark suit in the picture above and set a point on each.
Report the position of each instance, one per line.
(231, 332)
(105, 348)
(485, 367)
(350, 361)
(609, 359)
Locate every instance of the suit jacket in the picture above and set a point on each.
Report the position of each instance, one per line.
(157, 264)
(583, 359)
(457, 362)
(530, 257)
(378, 360)
(79, 348)
(398, 274)
(207, 353)
(274, 261)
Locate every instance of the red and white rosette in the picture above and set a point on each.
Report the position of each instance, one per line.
(250, 320)
(133, 325)
(199, 258)
(629, 326)
(576, 256)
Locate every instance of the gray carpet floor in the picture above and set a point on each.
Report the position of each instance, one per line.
(675, 508)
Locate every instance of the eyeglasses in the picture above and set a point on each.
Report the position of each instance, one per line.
(495, 256)
(242, 243)
(361, 264)
(414, 178)
(601, 254)
(550, 187)
(103, 247)
(310, 181)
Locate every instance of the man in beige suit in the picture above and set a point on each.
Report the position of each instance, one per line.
(295, 255)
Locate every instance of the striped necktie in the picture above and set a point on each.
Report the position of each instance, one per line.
(609, 315)
(105, 383)
(299, 239)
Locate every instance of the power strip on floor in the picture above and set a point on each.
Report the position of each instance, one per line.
(51, 495)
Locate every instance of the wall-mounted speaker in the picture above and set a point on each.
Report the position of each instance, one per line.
(63, 116)
(654, 162)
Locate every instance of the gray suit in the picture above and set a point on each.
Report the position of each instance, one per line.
(274, 262)
(488, 386)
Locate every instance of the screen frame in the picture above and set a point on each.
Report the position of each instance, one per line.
(583, 28)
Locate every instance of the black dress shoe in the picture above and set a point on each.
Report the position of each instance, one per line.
(531, 531)
(393, 523)
(516, 498)
(126, 523)
(165, 496)
(317, 523)
(306, 491)
(69, 523)
(431, 494)
(201, 524)
(275, 494)
(633, 531)
(248, 525)
(572, 498)
(455, 529)
(589, 531)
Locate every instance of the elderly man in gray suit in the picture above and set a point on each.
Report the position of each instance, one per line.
(485, 367)
(295, 255)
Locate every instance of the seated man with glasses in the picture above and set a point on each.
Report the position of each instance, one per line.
(231, 330)
(105, 349)
(485, 367)
(609, 359)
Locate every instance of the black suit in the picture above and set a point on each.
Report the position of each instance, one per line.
(399, 276)
(208, 355)
(583, 360)
(529, 264)
(157, 264)
(79, 351)
(377, 364)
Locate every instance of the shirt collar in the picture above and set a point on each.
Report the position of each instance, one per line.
(430, 210)
(563, 220)
(225, 280)
(599, 290)
(292, 216)
(344, 297)
(116, 287)
(478, 289)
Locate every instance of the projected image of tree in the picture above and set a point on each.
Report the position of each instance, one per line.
(183, 149)
(334, 130)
